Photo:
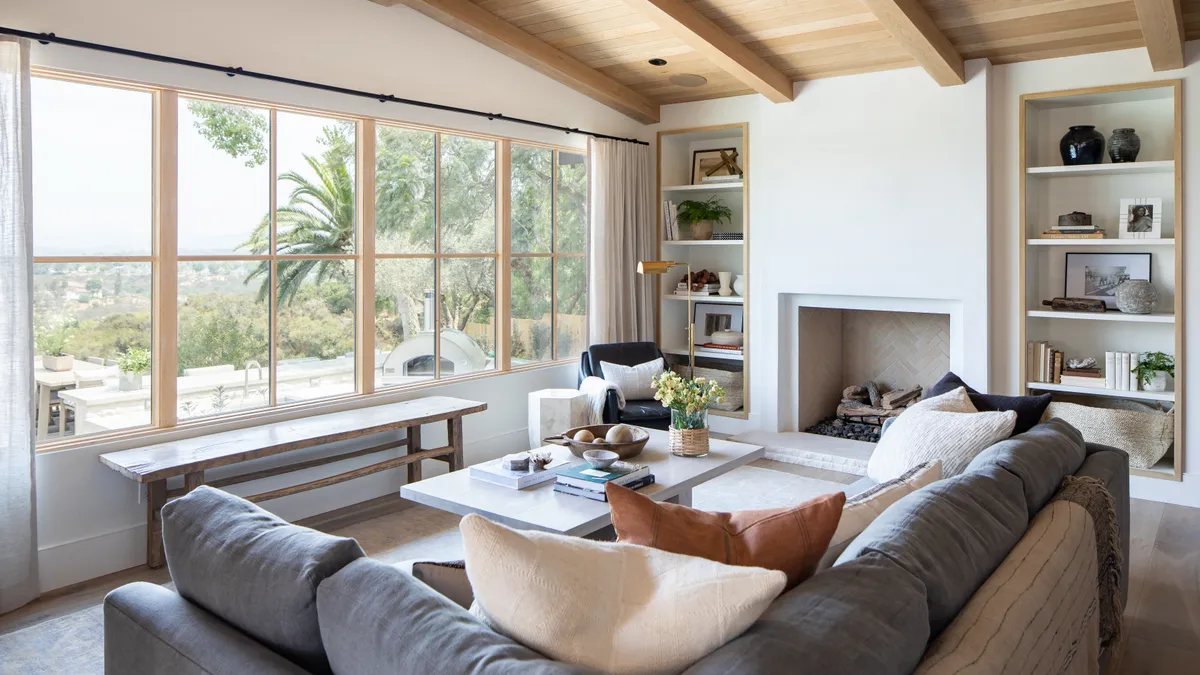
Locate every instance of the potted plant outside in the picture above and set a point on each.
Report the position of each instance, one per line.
(134, 363)
(700, 216)
(52, 343)
(688, 401)
(1152, 370)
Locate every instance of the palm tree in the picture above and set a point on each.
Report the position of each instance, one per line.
(317, 220)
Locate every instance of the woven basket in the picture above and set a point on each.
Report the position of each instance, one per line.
(688, 442)
(1146, 435)
(730, 380)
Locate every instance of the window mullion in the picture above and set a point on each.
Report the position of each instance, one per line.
(273, 272)
(554, 355)
(503, 270)
(365, 273)
(165, 268)
(437, 260)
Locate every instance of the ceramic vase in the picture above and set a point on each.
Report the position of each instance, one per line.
(1082, 145)
(725, 291)
(1123, 146)
(58, 364)
(702, 230)
(1158, 382)
(1136, 296)
(739, 285)
(129, 382)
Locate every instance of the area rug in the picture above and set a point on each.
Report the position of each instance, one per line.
(69, 644)
(750, 488)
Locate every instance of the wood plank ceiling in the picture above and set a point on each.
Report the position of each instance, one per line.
(809, 39)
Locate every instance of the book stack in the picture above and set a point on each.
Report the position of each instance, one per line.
(1083, 377)
(1118, 367)
(497, 473)
(733, 178)
(1066, 232)
(707, 289)
(1045, 363)
(714, 348)
(584, 481)
(670, 223)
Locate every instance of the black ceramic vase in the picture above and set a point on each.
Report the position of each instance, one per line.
(1123, 146)
(1082, 145)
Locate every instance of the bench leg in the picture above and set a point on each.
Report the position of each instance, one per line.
(454, 433)
(156, 497)
(414, 445)
(192, 480)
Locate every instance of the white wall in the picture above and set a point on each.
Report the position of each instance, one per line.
(869, 185)
(1008, 83)
(90, 521)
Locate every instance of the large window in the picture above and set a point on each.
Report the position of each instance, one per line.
(202, 257)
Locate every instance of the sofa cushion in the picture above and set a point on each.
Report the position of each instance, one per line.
(1040, 457)
(614, 607)
(636, 381)
(252, 569)
(377, 619)
(865, 616)
(648, 409)
(1029, 409)
(950, 535)
(791, 540)
(446, 577)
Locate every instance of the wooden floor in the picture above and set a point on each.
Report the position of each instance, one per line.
(1162, 616)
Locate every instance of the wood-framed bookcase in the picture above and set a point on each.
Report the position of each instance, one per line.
(1049, 189)
(674, 173)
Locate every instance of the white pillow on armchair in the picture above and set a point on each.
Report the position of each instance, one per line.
(635, 382)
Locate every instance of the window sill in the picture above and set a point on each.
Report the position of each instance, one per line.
(143, 436)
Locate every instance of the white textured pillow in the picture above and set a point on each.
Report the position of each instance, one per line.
(617, 608)
(861, 509)
(635, 382)
(945, 428)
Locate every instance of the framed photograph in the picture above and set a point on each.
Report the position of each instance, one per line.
(1141, 218)
(711, 317)
(719, 165)
(1097, 275)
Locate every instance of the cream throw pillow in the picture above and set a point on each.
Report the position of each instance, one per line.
(635, 382)
(945, 428)
(861, 509)
(617, 608)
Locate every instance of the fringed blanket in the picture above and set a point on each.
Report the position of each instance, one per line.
(1093, 496)
(597, 390)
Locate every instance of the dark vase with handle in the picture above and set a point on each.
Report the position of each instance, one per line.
(1082, 145)
(1123, 146)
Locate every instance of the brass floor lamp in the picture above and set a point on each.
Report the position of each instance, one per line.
(657, 267)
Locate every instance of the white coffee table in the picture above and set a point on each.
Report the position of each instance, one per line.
(541, 508)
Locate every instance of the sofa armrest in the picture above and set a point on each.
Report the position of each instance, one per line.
(612, 409)
(1111, 466)
(149, 630)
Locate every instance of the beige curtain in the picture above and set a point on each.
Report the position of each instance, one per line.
(18, 518)
(621, 302)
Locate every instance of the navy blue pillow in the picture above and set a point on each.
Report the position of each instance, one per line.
(1029, 409)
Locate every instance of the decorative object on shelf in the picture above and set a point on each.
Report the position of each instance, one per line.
(1140, 218)
(1139, 429)
(662, 267)
(517, 462)
(1076, 305)
(728, 236)
(133, 363)
(52, 343)
(710, 318)
(1123, 146)
(1082, 364)
(700, 216)
(1152, 370)
(725, 278)
(1075, 220)
(728, 337)
(739, 285)
(1137, 297)
(718, 165)
(1082, 145)
(1097, 275)
(539, 458)
(688, 400)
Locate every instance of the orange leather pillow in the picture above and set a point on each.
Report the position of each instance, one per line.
(790, 540)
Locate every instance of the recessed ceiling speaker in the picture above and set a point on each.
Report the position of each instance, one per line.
(688, 80)
(658, 62)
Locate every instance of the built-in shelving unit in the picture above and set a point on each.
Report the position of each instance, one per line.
(1049, 189)
(675, 154)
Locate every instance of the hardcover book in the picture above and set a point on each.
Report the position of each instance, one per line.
(598, 495)
(583, 476)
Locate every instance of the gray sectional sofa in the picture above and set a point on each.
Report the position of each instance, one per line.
(257, 595)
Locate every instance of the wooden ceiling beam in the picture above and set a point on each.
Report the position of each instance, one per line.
(1162, 26)
(717, 46)
(482, 26)
(912, 27)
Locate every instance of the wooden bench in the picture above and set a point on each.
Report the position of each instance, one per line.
(190, 458)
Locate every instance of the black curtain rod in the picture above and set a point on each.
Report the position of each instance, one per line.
(48, 38)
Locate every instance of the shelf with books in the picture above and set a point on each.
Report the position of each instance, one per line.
(1100, 242)
(720, 299)
(1100, 391)
(723, 356)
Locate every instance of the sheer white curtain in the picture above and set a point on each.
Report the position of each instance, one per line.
(18, 531)
(621, 302)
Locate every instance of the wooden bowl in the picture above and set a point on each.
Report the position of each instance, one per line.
(624, 450)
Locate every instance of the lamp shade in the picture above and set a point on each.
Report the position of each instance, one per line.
(655, 266)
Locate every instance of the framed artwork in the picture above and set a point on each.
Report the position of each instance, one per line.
(711, 317)
(1140, 218)
(1097, 275)
(719, 165)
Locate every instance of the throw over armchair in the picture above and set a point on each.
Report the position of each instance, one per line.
(642, 413)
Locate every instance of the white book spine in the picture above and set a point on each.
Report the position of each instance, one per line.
(1110, 370)
(1123, 371)
(1029, 361)
(1134, 383)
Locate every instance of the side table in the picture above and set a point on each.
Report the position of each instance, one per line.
(553, 411)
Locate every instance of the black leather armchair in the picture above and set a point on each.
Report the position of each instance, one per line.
(643, 413)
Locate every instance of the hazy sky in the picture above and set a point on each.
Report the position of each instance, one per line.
(92, 174)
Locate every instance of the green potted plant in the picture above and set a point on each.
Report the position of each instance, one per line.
(700, 216)
(134, 363)
(688, 401)
(1152, 370)
(52, 343)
